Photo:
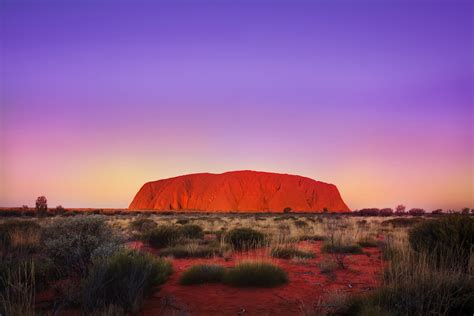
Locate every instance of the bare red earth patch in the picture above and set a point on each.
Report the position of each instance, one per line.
(306, 287)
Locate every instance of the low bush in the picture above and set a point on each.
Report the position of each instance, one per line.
(124, 280)
(143, 224)
(70, 242)
(341, 248)
(256, 274)
(288, 253)
(161, 236)
(203, 273)
(447, 240)
(245, 238)
(191, 231)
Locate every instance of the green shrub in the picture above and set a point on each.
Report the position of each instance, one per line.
(161, 236)
(288, 253)
(203, 273)
(448, 240)
(191, 231)
(256, 274)
(70, 242)
(341, 248)
(124, 280)
(245, 238)
(143, 224)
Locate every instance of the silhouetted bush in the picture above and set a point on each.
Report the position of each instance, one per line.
(448, 240)
(437, 212)
(203, 273)
(369, 212)
(41, 206)
(416, 212)
(245, 238)
(256, 274)
(124, 279)
(287, 210)
(386, 212)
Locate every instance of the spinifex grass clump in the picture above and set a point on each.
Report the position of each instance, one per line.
(415, 284)
(203, 273)
(245, 238)
(289, 252)
(166, 235)
(193, 250)
(448, 241)
(256, 274)
(19, 235)
(124, 279)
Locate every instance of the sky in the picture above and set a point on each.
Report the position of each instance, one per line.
(376, 97)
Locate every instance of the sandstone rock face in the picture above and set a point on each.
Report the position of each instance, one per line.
(239, 191)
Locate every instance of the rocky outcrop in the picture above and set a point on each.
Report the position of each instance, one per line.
(239, 191)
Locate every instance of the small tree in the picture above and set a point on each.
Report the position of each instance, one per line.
(400, 210)
(437, 212)
(41, 206)
(465, 211)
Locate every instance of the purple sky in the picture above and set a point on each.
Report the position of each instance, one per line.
(97, 99)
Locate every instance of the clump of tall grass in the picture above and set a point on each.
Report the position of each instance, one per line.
(245, 238)
(166, 235)
(290, 252)
(194, 250)
(448, 241)
(124, 280)
(18, 295)
(203, 273)
(19, 235)
(415, 283)
(256, 274)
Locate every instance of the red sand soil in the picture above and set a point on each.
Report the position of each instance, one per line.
(239, 191)
(307, 286)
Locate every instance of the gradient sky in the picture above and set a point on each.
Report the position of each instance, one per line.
(373, 96)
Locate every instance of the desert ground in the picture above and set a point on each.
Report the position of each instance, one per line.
(142, 263)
